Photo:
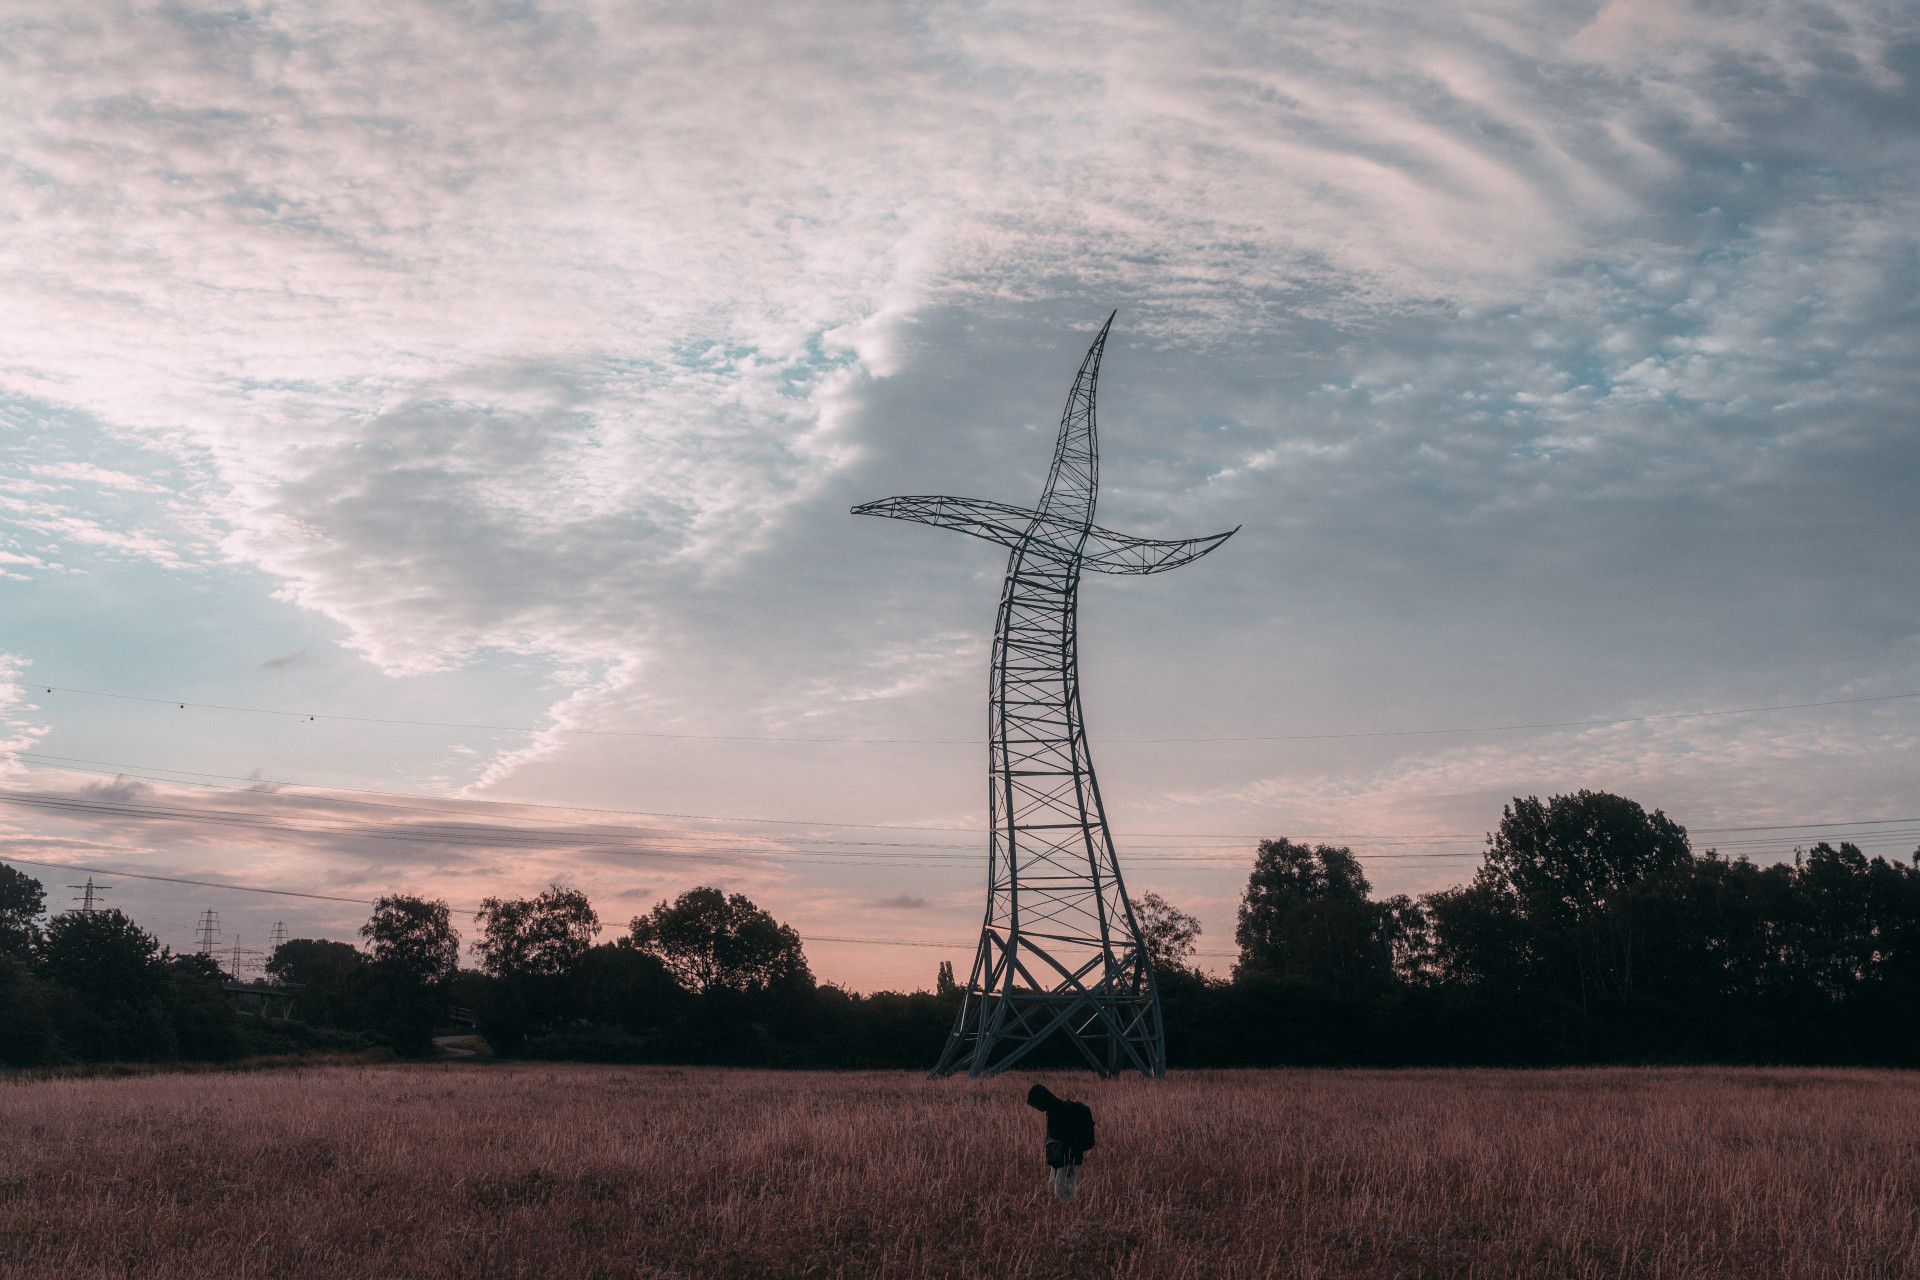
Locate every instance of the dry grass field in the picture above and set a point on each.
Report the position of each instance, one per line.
(492, 1170)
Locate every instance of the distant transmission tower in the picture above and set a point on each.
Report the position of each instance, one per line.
(233, 970)
(1060, 950)
(279, 936)
(90, 893)
(207, 933)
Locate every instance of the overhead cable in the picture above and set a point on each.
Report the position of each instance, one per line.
(436, 805)
(185, 704)
(499, 837)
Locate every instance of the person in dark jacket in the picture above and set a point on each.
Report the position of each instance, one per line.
(1069, 1138)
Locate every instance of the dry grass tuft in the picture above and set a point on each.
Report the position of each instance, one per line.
(471, 1170)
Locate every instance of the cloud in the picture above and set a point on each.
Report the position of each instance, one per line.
(121, 790)
(348, 845)
(86, 473)
(902, 902)
(1710, 775)
(1551, 357)
(16, 733)
(66, 528)
(573, 323)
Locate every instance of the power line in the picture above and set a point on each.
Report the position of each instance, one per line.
(457, 836)
(448, 834)
(155, 774)
(203, 884)
(436, 805)
(368, 902)
(1782, 826)
(945, 946)
(208, 925)
(186, 704)
(159, 773)
(493, 837)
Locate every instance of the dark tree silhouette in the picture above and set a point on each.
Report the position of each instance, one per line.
(622, 986)
(1306, 919)
(414, 938)
(539, 937)
(1571, 869)
(415, 955)
(533, 948)
(195, 964)
(205, 1027)
(1480, 937)
(27, 1007)
(1576, 855)
(331, 976)
(103, 956)
(21, 902)
(713, 942)
(115, 984)
(1589, 934)
(1170, 934)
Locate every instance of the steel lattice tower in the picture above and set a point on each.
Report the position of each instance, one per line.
(1060, 950)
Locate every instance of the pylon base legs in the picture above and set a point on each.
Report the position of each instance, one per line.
(999, 1030)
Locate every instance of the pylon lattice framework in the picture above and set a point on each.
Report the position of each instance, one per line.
(1060, 950)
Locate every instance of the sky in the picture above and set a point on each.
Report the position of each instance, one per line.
(481, 389)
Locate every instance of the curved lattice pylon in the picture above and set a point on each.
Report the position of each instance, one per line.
(1060, 951)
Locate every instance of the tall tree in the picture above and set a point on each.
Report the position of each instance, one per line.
(533, 948)
(1835, 934)
(415, 955)
(21, 902)
(103, 956)
(1480, 938)
(1306, 918)
(718, 942)
(1575, 855)
(1573, 870)
(414, 938)
(541, 937)
(331, 977)
(1170, 933)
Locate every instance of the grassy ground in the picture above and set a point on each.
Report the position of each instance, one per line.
(468, 1169)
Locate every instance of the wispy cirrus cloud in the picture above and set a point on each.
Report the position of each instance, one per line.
(17, 732)
(422, 299)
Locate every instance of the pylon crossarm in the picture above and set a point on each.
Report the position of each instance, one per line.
(1110, 552)
(977, 517)
(1055, 542)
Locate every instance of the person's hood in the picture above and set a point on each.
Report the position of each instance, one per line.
(1040, 1097)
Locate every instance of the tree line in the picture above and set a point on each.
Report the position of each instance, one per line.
(1592, 932)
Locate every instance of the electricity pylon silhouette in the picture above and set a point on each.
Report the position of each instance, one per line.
(207, 932)
(1060, 950)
